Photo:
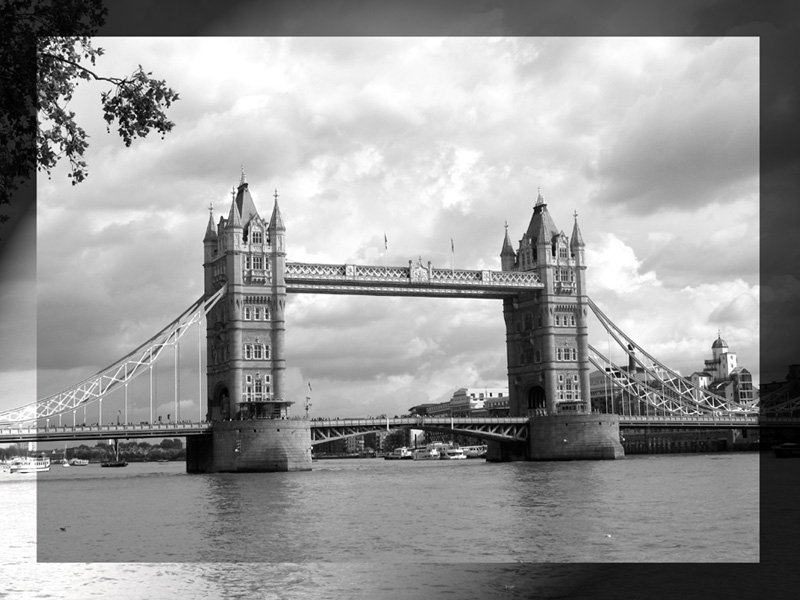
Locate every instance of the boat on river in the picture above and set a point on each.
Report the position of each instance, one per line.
(402, 453)
(451, 454)
(79, 462)
(787, 450)
(116, 462)
(30, 465)
(429, 452)
(475, 451)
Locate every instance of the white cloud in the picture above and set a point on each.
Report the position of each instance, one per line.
(615, 268)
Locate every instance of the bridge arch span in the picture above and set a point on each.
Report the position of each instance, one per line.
(504, 429)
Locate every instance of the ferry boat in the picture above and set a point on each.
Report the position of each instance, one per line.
(451, 454)
(475, 451)
(400, 454)
(30, 465)
(430, 452)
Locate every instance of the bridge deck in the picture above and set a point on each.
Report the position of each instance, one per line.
(498, 428)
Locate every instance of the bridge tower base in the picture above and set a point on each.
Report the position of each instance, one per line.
(252, 446)
(575, 437)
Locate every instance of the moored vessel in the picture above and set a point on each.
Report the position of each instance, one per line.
(402, 453)
(475, 451)
(429, 452)
(451, 454)
(787, 450)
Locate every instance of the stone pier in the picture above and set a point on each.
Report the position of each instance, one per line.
(261, 445)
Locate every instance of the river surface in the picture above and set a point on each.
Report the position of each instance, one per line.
(370, 528)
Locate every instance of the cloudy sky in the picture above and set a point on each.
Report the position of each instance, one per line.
(653, 141)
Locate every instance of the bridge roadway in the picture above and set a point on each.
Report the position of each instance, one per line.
(501, 429)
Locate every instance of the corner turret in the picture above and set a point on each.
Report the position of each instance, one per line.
(508, 257)
(576, 244)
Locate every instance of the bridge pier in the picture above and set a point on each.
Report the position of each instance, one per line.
(564, 437)
(575, 437)
(261, 445)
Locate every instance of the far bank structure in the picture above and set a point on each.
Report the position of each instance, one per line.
(252, 429)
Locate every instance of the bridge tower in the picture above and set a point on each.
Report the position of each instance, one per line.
(245, 344)
(547, 344)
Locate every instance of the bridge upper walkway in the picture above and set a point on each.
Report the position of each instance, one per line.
(413, 280)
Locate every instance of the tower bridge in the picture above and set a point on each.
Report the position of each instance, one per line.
(248, 424)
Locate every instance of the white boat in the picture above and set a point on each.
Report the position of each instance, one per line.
(452, 454)
(30, 465)
(400, 454)
(79, 462)
(430, 452)
(475, 451)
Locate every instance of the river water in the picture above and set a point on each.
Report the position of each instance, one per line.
(369, 528)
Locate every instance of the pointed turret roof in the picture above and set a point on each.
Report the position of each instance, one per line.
(244, 201)
(234, 219)
(577, 239)
(276, 220)
(541, 228)
(211, 231)
(508, 249)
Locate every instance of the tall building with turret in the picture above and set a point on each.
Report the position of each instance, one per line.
(723, 375)
(245, 330)
(546, 330)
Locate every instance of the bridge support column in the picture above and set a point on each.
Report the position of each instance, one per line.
(575, 437)
(264, 445)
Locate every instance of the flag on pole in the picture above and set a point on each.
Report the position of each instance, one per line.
(452, 246)
(309, 386)
(385, 241)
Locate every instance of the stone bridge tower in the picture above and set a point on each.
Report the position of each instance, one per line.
(547, 345)
(245, 346)
(546, 332)
(245, 330)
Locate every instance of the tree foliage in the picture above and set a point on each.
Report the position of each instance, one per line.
(136, 103)
(46, 50)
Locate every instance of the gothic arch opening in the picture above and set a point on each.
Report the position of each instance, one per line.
(219, 407)
(537, 399)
